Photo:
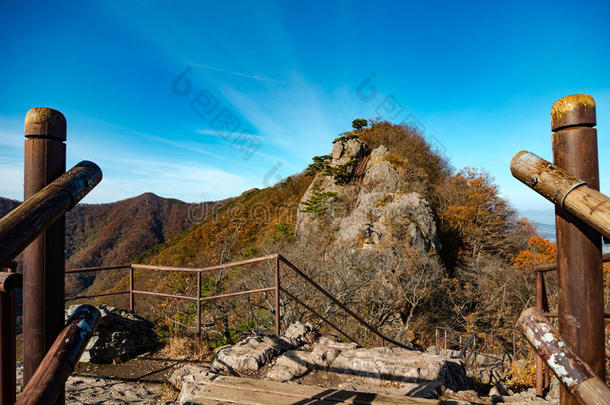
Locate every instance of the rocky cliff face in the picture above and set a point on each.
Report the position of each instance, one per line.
(362, 199)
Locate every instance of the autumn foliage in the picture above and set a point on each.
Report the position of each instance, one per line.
(481, 281)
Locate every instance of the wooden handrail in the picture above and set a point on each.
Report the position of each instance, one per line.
(23, 224)
(564, 190)
(570, 369)
(47, 383)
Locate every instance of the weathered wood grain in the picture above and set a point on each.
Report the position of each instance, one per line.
(227, 389)
(571, 370)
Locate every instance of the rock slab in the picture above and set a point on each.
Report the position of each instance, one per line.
(120, 335)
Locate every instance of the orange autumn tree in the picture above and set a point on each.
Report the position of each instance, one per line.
(477, 220)
(539, 251)
(481, 233)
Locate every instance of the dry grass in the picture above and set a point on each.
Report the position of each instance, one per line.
(183, 348)
(169, 393)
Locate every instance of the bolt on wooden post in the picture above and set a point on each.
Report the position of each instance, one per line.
(43, 259)
(579, 255)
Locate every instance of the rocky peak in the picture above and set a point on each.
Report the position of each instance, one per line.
(373, 213)
(346, 150)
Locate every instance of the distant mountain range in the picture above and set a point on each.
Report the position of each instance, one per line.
(116, 233)
(544, 220)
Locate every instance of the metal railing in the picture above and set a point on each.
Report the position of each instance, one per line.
(276, 288)
(469, 345)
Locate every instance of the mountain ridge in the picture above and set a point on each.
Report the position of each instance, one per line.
(118, 232)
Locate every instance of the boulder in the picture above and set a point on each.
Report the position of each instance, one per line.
(298, 334)
(296, 363)
(257, 350)
(292, 364)
(249, 354)
(120, 335)
(423, 373)
(191, 373)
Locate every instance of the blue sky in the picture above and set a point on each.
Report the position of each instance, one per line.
(268, 85)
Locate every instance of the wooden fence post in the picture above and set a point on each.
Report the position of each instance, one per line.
(579, 255)
(8, 372)
(43, 259)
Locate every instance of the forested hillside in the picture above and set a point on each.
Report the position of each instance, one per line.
(116, 233)
(387, 225)
(383, 221)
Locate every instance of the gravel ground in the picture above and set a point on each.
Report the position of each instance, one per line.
(90, 390)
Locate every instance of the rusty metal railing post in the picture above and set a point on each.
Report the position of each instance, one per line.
(43, 259)
(542, 373)
(131, 297)
(581, 302)
(198, 306)
(8, 369)
(277, 295)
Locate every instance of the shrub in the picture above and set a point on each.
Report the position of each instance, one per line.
(346, 136)
(251, 251)
(282, 229)
(521, 374)
(318, 202)
(341, 173)
(407, 145)
(319, 164)
(359, 123)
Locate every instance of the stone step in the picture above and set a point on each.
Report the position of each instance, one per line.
(237, 390)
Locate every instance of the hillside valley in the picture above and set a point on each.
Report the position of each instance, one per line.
(117, 233)
(383, 222)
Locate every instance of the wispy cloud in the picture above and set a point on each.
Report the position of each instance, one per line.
(235, 73)
(187, 146)
(11, 185)
(223, 134)
(11, 139)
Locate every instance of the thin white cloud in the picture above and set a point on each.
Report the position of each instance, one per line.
(223, 134)
(187, 146)
(11, 140)
(11, 183)
(190, 181)
(235, 73)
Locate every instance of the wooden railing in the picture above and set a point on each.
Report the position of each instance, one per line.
(582, 217)
(23, 224)
(46, 385)
(17, 229)
(575, 374)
